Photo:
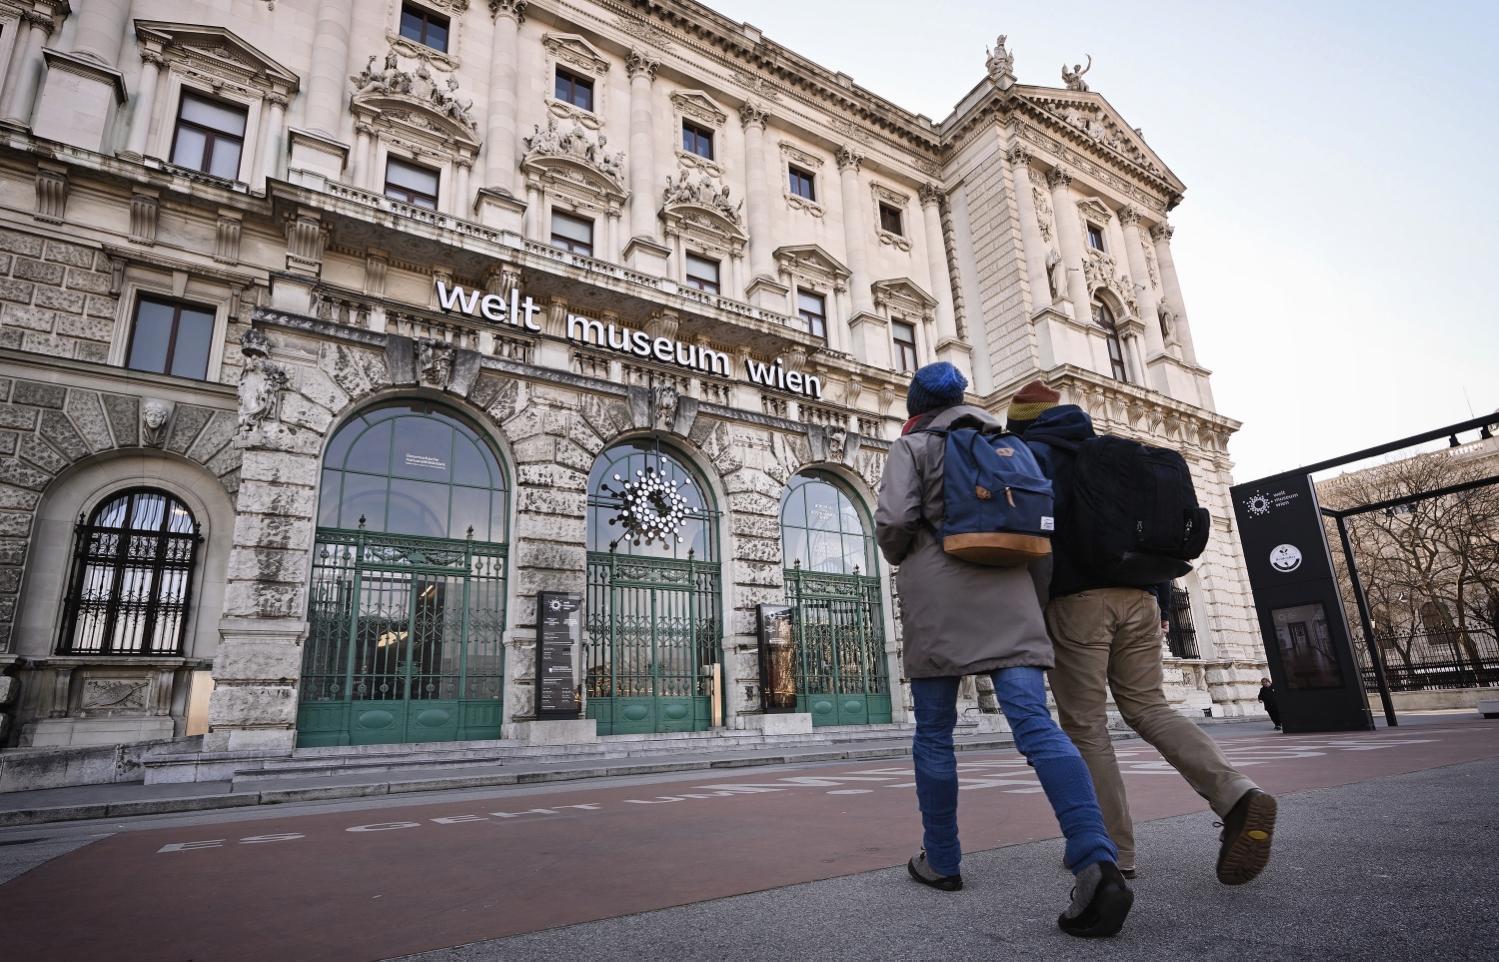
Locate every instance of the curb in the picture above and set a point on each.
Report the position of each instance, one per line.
(202, 803)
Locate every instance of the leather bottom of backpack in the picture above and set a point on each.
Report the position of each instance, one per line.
(997, 549)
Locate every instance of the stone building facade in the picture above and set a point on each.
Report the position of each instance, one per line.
(333, 331)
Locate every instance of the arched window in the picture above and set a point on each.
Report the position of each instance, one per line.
(821, 529)
(411, 468)
(642, 501)
(132, 571)
(1105, 319)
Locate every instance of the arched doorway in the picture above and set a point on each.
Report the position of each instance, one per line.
(406, 611)
(655, 626)
(841, 674)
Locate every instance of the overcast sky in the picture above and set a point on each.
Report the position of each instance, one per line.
(1337, 242)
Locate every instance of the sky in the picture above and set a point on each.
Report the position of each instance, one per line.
(1331, 244)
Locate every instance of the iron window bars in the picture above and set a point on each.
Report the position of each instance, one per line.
(132, 577)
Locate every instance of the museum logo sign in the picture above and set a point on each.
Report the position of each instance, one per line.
(521, 312)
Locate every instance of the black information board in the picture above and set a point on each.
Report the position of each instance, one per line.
(1300, 609)
(561, 632)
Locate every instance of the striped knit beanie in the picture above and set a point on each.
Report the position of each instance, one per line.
(1028, 403)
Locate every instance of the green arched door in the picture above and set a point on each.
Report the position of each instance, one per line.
(839, 665)
(406, 609)
(655, 629)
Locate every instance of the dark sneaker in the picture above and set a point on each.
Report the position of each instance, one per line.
(1247, 831)
(1128, 873)
(1100, 901)
(926, 875)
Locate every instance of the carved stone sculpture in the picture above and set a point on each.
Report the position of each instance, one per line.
(664, 400)
(434, 362)
(261, 382)
(1074, 78)
(837, 435)
(154, 416)
(1168, 322)
(1056, 275)
(704, 193)
(419, 84)
(1000, 62)
(578, 144)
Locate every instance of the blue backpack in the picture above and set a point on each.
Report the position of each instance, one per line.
(999, 504)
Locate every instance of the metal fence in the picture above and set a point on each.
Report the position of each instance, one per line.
(841, 673)
(1433, 660)
(1181, 636)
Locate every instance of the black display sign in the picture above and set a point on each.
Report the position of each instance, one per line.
(777, 659)
(1300, 609)
(561, 634)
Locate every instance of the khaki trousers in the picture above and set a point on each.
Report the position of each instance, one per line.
(1113, 636)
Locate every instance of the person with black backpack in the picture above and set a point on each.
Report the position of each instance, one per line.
(965, 513)
(1127, 519)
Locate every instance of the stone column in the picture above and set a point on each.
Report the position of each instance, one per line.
(461, 168)
(1129, 224)
(1030, 228)
(145, 102)
(275, 129)
(328, 80)
(1161, 234)
(1069, 237)
(757, 191)
(854, 237)
(643, 187)
(100, 28)
(936, 264)
(533, 209)
(499, 136)
(25, 72)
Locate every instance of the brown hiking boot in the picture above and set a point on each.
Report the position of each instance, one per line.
(1247, 831)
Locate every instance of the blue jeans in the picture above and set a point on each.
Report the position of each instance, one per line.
(1063, 774)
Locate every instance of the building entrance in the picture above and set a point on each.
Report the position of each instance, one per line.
(406, 612)
(654, 620)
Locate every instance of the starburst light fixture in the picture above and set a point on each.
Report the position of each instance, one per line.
(652, 509)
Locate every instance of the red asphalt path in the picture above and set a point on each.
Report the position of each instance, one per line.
(375, 884)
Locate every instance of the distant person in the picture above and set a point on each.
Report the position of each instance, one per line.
(1267, 697)
(1107, 636)
(962, 618)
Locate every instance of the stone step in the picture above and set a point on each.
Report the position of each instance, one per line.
(268, 766)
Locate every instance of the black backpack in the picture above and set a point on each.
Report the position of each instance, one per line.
(1134, 512)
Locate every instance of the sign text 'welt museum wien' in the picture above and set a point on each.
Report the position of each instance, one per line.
(521, 312)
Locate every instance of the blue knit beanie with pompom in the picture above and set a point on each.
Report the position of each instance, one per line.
(935, 386)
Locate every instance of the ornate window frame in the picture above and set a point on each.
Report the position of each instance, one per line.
(699, 108)
(809, 268)
(793, 154)
(452, 9)
(900, 299)
(573, 53)
(569, 181)
(215, 63)
(901, 202)
(172, 285)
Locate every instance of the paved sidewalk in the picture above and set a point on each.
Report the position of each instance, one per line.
(1396, 868)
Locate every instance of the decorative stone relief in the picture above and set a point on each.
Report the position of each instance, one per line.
(51, 193)
(124, 694)
(664, 400)
(1056, 275)
(418, 87)
(143, 208)
(1101, 271)
(576, 144)
(226, 237)
(1074, 78)
(834, 440)
(434, 362)
(261, 382)
(704, 193)
(154, 416)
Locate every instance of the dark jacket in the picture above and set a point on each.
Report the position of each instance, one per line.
(957, 618)
(1069, 574)
(1267, 695)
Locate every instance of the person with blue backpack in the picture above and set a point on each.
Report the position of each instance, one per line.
(1127, 522)
(966, 514)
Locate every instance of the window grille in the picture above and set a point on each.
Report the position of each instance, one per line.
(131, 577)
(1181, 636)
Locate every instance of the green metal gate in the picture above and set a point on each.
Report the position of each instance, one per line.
(654, 634)
(405, 640)
(842, 673)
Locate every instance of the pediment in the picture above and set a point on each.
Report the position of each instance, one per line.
(576, 172)
(572, 49)
(416, 113)
(699, 106)
(1089, 116)
(901, 293)
(1095, 208)
(218, 46)
(810, 259)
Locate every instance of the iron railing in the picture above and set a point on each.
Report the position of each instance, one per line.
(1435, 660)
(1181, 636)
(840, 645)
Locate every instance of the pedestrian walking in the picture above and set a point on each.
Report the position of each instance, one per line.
(1267, 698)
(1107, 635)
(964, 618)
